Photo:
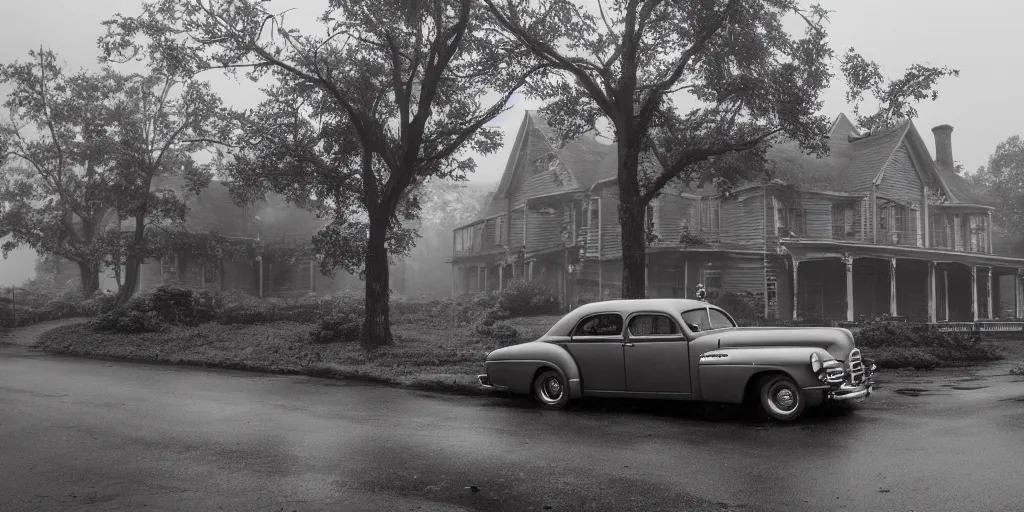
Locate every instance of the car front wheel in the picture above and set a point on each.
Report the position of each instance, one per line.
(781, 398)
(551, 390)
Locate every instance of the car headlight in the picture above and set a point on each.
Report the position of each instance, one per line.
(815, 362)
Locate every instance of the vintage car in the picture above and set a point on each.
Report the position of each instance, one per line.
(682, 349)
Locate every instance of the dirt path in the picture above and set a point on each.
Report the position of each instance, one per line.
(26, 336)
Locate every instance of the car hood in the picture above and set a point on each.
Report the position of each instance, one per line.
(837, 342)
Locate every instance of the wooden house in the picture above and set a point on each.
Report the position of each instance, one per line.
(877, 227)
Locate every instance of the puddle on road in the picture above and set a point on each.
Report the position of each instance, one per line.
(1017, 399)
(913, 391)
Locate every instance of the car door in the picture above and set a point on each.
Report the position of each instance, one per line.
(596, 345)
(656, 355)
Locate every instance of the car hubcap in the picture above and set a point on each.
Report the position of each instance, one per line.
(551, 390)
(785, 399)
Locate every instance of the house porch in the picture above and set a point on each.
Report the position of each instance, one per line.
(844, 282)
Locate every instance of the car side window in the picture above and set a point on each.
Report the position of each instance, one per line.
(719, 320)
(608, 324)
(652, 325)
(706, 319)
(696, 319)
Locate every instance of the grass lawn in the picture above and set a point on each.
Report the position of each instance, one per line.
(423, 356)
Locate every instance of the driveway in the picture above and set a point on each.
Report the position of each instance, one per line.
(90, 435)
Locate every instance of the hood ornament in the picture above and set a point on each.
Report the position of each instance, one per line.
(702, 294)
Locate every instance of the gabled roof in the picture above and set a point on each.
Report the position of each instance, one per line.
(870, 154)
(583, 161)
(855, 161)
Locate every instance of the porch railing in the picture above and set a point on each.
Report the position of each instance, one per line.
(981, 326)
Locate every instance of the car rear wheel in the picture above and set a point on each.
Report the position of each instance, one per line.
(781, 398)
(551, 390)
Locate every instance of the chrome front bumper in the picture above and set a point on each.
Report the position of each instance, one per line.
(848, 391)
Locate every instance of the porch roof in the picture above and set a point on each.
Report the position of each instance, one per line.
(827, 249)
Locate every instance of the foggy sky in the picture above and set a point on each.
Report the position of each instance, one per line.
(980, 38)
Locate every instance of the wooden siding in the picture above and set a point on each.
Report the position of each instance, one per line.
(611, 239)
(817, 217)
(544, 226)
(675, 215)
(526, 183)
(900, 181)
(742, 275)
(517, 226)
(741, 223)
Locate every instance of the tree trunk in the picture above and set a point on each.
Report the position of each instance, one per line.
(133, 262)
(89, 273)
(377, 324)
(631, 223)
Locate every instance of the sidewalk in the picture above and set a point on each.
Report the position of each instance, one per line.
(26, 336)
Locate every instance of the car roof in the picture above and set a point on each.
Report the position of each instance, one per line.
(625, 307)
(628, 306)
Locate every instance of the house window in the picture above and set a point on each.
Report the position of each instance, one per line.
(942, 231)
(499, 231)
(710, 214)
(211, 273)
(893, 224)
(792, 222)
(842, 221)
(594, 217)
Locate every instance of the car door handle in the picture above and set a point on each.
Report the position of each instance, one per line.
(627, 344)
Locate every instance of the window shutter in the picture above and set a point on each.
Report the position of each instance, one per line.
(864, 219)
(917, 227)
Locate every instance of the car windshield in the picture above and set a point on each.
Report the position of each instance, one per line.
(706, 319)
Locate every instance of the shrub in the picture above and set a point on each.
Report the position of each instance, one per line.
(502, 333)
(337, 328)
(525, 298)
(146, 312)
(901, 345)
(1017, 370)
(746, 308)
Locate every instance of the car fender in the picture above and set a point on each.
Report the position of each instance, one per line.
(514, 367)
(725, 373)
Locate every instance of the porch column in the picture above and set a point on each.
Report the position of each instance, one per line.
(988, 291)
(849, 287)
(974, 293)
(487, 271)
(945, 293)
(892, 287)
(453, 281)
(480, 279)
(796, 288)
(501, 276)
(529, 271)
(1018, 286)
(686, 279)
(931, 292)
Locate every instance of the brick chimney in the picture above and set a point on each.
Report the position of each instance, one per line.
(943, 146)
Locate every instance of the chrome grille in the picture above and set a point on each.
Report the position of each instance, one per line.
(856, 367)
(834, 372)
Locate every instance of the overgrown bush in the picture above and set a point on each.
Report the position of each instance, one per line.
(902, 345)
(146, 312)
(337, 328)
(503, 333)
(747, 308)
(526, 298)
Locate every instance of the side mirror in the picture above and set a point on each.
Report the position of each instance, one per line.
(694, 327)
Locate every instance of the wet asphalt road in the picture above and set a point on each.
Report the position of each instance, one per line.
(91, 435)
